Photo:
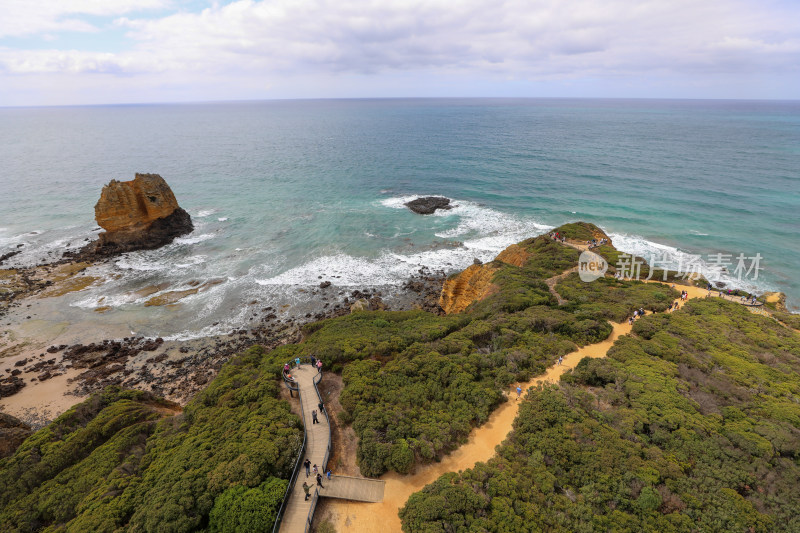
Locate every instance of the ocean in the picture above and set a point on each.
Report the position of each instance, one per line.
(285, 194)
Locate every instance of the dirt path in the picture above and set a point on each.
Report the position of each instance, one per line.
(480, 446)
(552, 282)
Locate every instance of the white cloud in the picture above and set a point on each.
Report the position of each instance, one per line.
(265, 41)
(29, 17)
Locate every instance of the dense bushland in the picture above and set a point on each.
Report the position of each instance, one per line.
(693, 424)
(417, 383)
(123, 460)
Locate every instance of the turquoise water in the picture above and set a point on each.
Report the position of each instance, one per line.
(285, 192)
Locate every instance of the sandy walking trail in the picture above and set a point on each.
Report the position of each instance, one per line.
(480, 447)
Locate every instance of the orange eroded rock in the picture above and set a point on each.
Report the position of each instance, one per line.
(514, 255)
(475, 283)
(471, 285)
(138, 214)
(134, 205)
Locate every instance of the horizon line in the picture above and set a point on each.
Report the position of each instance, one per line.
(368, 98)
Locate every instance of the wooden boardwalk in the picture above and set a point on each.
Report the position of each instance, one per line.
(354, 488)
(299, 512)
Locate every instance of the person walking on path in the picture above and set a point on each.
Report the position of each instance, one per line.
(328, 475)
(316, 470)
(307, 464)
(319, 366)
(297, 361)
(321, 406)
(307, 490)
(560, 359)
(314, 417)
(319, 481)
(313, 361)
(519, 392)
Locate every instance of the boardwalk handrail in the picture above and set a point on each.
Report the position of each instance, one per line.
(311, 510)
(291, 385)
(310, 517)
(316, 380)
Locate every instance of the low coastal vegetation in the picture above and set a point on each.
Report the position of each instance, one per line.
(127, 460)
(691, 424)
(417, 383)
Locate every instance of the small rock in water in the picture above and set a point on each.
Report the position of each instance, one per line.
(428, 204)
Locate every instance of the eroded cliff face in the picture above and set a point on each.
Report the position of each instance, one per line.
(475, 283)
(139, 214)
(513, 255)
(471, 285)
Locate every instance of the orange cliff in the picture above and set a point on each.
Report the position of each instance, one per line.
(475, 283)
(138, 214)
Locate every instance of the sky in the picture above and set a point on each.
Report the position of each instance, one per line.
(76, 52)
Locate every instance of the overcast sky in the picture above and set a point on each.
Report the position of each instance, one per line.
(58, 52)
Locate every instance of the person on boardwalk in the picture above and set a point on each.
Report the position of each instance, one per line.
(314, 417)
(319, 366)
(286, 368)
(519, 392)
(316, 470)
(307, 490)
(297, 361)
(319, 481)
(307, 464)
(328, 475)
(313, 361)
(321, 406)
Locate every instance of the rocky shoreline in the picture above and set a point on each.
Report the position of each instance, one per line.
(176, 370)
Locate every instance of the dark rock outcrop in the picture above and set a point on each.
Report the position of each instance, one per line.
(428, 204)
(10, 385)
(12, 433)
(8, 255)
(140, 214)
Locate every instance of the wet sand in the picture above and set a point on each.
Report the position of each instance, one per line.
(40, 402)
(28, 339)
(480, 447)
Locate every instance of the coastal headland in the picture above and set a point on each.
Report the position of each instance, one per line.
(438, 399)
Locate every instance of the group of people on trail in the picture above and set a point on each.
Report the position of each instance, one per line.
(556, 236)
(287, 368)
(745, 298)
(594, 243)
(676, 304)
(317, 476)
(751, 297)
(314, 419)
(636, 314)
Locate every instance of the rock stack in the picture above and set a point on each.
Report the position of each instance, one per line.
(138, 215)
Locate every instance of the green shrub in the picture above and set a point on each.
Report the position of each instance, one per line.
(681, 430)
(241, 509)
(114, 462)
